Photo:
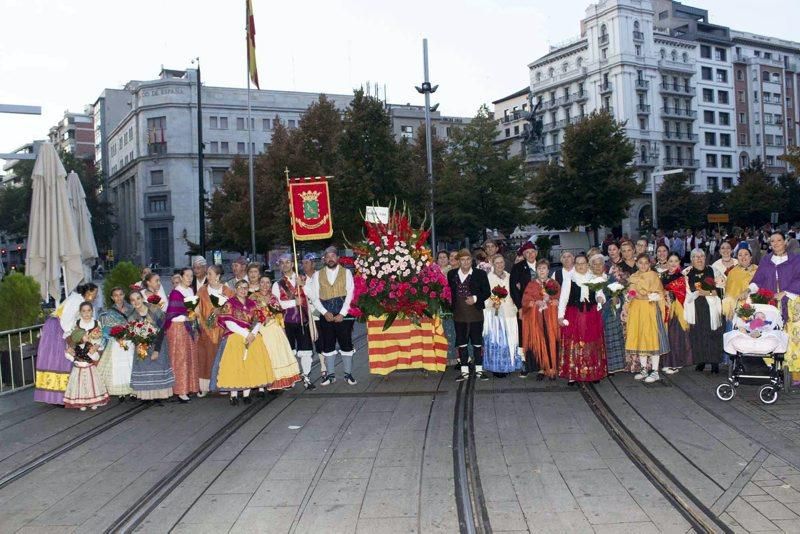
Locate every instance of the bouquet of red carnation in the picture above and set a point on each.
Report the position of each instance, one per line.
(763, 296)
(706, 284)
(745, 311)
(551, 287)
(121, 334)
(155, 300)
(143, 334)
(259, 316)
(348, 262)
(136, 287)
(499, 294)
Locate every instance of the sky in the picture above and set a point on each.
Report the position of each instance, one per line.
(61, 54)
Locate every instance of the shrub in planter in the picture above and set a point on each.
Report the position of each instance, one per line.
(20, 302)
(123, 275)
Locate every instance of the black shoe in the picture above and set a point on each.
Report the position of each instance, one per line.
(482, 376)
(158, 403)
(261, 394)
(461, 377)
(523, 374)
(121, 399)
(699, 367)
(234, 401)
(247, 400)
(595, 381)
(539, 377)
(572, 383)
(309, 385)
(715, 368)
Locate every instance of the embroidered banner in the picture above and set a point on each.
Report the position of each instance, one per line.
(310, 208)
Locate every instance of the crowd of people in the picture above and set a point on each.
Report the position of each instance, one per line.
(644, 307)
(247, 334)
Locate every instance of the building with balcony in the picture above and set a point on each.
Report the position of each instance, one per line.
(511, 113)
(408, 120)
(74, 134)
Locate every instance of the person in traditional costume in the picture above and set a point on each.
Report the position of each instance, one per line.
(333, 293)
(294, 303)
(116, 363)
(737, 285)
(567, 266)
(540, 330)
(86, 341)
(500, 330)
(646, 339)
(521, 274)
(200, 270)
(612, 326)
(723, 265)
(153, 291)
(662, 255)
(181, 333)
(676, 288)
(239, 267)
(151, 373)
(210, 332)
(470, 289)
(779, 272)
(52, 369)
(627, 263)
(443, 261)
(280, 355)
(583, 351)
(703, 312)
(254, 277)
(242, 363)
(309, 268)
(614, 256)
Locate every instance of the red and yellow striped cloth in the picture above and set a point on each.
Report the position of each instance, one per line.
(406, 346)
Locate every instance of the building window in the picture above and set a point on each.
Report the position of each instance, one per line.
(739, 74)
(508, 132)
(705, 51)
(156, 136)
(213, 147)
(516, 130)
(663, 15)
(720, 54)
(265, 148)
(712, 182)
(708, 95)
(663, 53)
(605, 53)
(722, 97)
(758, 139)
(223, 147)
(156, 177)
(638, 50)
(159, 246)
(240, 123)
(685, 57)
(265, 124)
(744, 161)
(706, 73)
(726, 161)
(407, 132)
(742, 118)
(240, 148)
(291, 124)
(740, 96)
(711, 160)
(724, 118)
(742, 139)
(642, 123)
(727, 182)
(674, 55)
(213, 123)
(724, 139)
(223, 123)
(722, 75)
(708, 117)
(755, 96)
(157, 204)
(711, 139)
(770, 161)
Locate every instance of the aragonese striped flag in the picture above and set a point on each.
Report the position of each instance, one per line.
(252, 68)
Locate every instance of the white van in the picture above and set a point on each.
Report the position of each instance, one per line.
(564, 240)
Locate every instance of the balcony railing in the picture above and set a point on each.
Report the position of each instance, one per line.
(606, 87)
(547, 104)
(681, 136)
(679, 113)
(679, 66)
(580, 96)
(638, 36)
(645, 161)
(514, 116)
(677, 88)
(18, 358)
(560, 78)
(603, 39)
(552, 149)
(642, 108)
(609, 110)
(681, 162)
(642, 84)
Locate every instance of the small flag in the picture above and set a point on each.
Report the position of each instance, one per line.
(310, 208)
(252, 69)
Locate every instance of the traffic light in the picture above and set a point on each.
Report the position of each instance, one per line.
(2, 251)
(19, 248)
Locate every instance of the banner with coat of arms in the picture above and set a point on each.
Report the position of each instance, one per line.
(310, 208)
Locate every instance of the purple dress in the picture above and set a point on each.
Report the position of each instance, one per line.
(52, 366)
(777, 278)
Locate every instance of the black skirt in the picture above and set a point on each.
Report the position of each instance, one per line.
(706, 343)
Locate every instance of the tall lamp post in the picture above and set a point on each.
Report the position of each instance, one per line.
(200, 171)
(427, 89)
(653, 177)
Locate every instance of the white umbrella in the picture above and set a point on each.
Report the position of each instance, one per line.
(53, 245)
(83, 224)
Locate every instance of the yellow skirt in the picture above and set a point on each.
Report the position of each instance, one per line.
(642, 332)
(243, 367)
(284, 363)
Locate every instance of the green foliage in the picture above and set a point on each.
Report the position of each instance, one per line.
(596, 181)
(678, 206)
(752, 200)
(790, 193)
(20, 302)
(123, 275)
(543, 247)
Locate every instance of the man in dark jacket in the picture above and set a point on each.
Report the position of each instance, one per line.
(470, 289)
(521, 274)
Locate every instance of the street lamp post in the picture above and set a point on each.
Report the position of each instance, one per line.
(653, 192)
(427, 89)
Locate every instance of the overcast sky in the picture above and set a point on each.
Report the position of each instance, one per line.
(60, 54)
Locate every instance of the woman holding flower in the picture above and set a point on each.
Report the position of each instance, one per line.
(703, 311)
(151, 373)
(680, 347)
(662, 255)
(723, 265)
(211, 297)
(115, 365)
(738, 281)
(583, 351)
(611, 311)
(627, 263)
(153, 292)
(540, 328)
(280, 355)
(242, 362)
(646, 340)
(85, 342)
(180, 326)
(500, 334)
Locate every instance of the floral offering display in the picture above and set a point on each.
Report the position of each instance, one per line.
(142, 334)
(745, 311)
(395, 274)
(763, 296)
(499, 294)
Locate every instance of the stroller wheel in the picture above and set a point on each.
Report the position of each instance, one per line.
(725, 392)
(768, 394)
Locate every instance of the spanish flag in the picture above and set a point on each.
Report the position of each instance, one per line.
(252, 68)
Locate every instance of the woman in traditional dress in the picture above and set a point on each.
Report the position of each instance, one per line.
(703, 311)
(151, 374)
(52, 369)
(680, 347)
(583, 351)
(153, 289)
(627, 264)
(646, 340)
(242, 363)
(253, 277)
(662, 254)
(210, 333)
(86, 341)
(612, 327)
(181, 335)
(723, 265)
(540, 321)
(280, 354)
(500, 333)
(116, 363)
(738, 281)
(614, 256)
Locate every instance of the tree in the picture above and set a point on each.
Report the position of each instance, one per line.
(792, 156)
(20, 302)
(596, 183)
(15, 202)
(678, 206)
(482, 186)
(124, 275)
(752, 200)
(413, 159)
(790, 194)
(714, 201)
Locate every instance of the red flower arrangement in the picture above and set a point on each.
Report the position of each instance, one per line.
(763, 296)
(551, 287)
(135, 287)
(499, 293)
(706, 284)
(121, 333)
(347, 261)
(154, 300)
(395, 275)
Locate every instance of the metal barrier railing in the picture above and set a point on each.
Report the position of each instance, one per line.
(18, 358)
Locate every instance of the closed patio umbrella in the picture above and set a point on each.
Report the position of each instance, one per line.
(53, 245)
(83, 224)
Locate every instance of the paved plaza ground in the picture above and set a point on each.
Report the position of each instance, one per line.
(382, 457)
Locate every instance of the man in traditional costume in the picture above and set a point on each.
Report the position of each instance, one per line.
(521, 275)
(470, 289)
(288, 289)
(332, 294)
(239, 267)
(200, 269)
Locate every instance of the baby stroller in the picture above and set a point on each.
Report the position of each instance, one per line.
(749, 344)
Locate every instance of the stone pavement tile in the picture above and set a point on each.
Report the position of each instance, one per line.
(762, 474)
(302, 450)
(773, 510)
(390, 503)
(491, 462)
(593, 483)
(547, 522)
(638, 528)
(505, 516)
(438, 516)
(281, 493)
(546, 492)
(342, 491)
(329, 518)
(611, 509)
(438, 461)
(272, 441)
(194, 528)
(11, 521)
(750, 490)
(760, 498)
(221, 509)
(293, 469)
(792, 480)
(387, 525)
(46, 530)
(258, 519)
(357, 448)
(398, 456)
(774, 461)
(770, 483)
(438, 489)
(748, 517)
(568, 442)
(785, 493)
(337, 468)
(498, 488)
(387, 404)
(783, 470)
(788, 526)
(244, 475)
(402, 438)
(516, 454)
(395, 478)
(578, 460)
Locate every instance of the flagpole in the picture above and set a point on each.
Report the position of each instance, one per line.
(250, 157)
(294, 255)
